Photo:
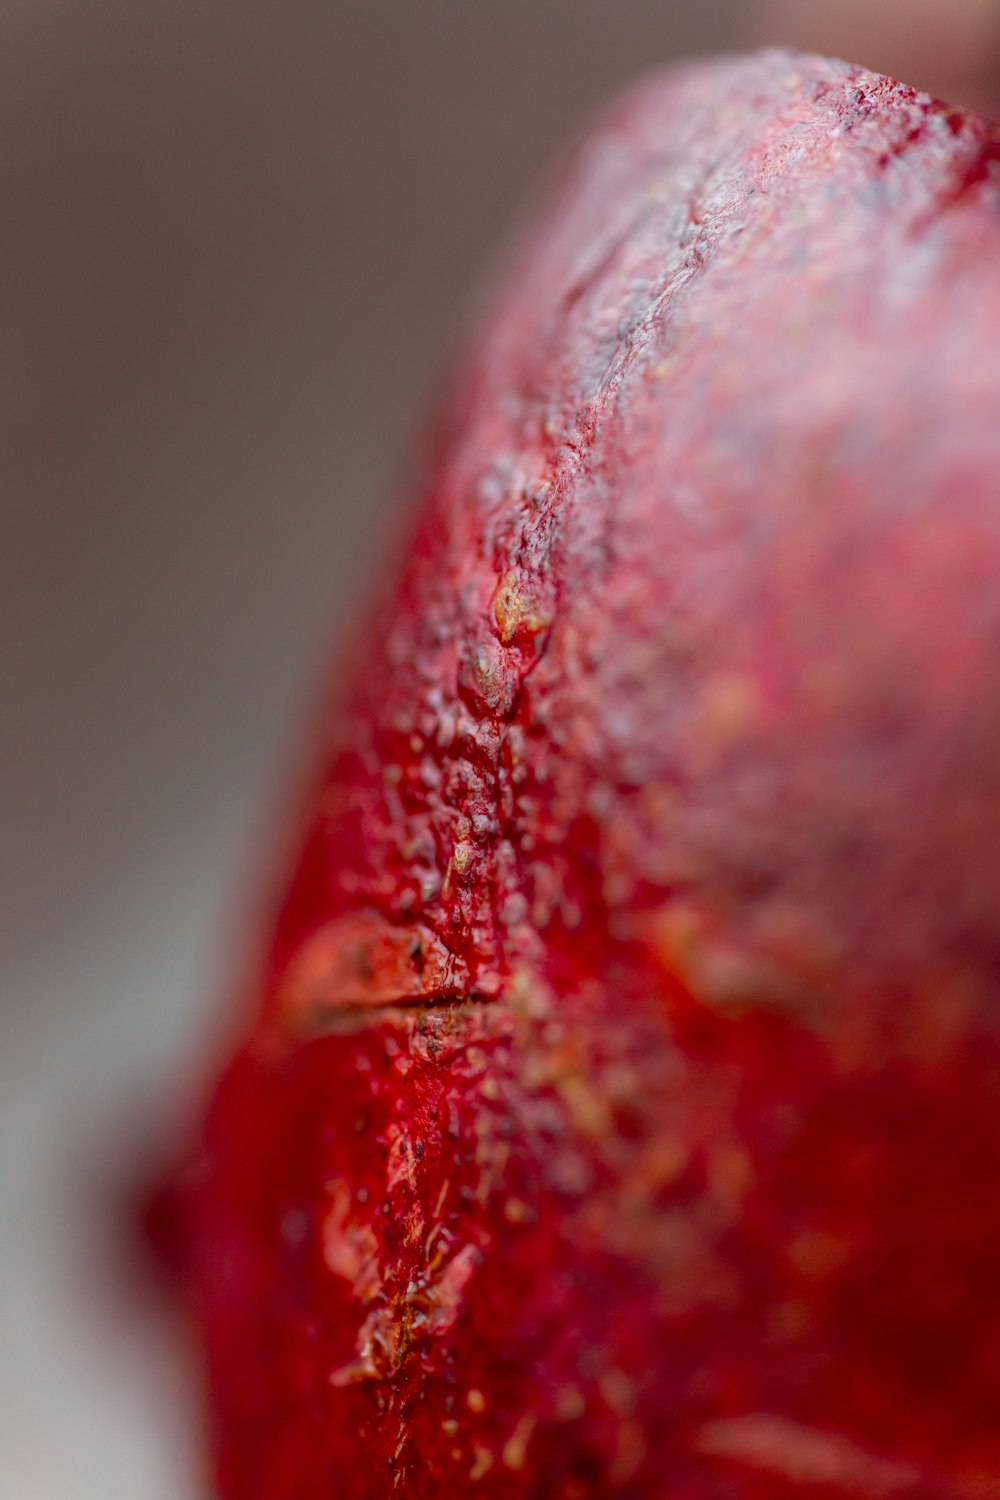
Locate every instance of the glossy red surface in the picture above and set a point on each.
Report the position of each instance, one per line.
(617, 1115)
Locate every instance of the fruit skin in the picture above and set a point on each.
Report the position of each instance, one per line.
(618, 1110)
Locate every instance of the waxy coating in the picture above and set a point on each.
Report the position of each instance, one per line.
(618, 1114)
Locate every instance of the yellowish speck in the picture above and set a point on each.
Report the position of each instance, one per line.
(730, 1173)
(515, 1449)
(483, 1462)
(570, 1404)
(515, 611)
(817, 1255)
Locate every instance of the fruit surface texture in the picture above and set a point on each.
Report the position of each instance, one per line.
(617, 1114)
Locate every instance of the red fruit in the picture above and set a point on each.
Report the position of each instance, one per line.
(619, 1109)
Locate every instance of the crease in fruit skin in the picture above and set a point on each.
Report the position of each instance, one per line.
(627, 1051)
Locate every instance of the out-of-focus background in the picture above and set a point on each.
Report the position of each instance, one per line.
(237, 242)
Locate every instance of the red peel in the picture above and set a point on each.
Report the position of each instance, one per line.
(618, 1112)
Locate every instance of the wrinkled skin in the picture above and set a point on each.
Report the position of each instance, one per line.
(618, 1110)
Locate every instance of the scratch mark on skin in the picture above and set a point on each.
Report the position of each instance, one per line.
(439, 1301)
(350, 1248)
(365, 962)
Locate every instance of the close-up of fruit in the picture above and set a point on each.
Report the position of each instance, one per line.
(616, 1111)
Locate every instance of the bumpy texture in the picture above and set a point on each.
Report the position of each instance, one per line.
(618, 1113)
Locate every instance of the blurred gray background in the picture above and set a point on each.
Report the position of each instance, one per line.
(237, 243)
